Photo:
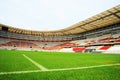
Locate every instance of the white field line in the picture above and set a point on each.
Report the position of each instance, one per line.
(19, 72)
(53, 70)
(35, 63)
(84, 67)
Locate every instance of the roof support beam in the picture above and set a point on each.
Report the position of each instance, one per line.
(115, 14)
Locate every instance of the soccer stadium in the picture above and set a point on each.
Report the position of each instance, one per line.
(87, 50)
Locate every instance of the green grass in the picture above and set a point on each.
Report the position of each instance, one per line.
(14, 61)
(103, 73)
(64, 60)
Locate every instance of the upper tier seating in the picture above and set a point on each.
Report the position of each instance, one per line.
(68, 44)
(117, 41)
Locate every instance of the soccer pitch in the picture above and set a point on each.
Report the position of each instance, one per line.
(31, 65)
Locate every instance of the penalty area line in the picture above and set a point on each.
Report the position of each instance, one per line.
(53, 70)
(35, 63)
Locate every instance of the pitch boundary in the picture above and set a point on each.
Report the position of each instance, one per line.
(53, 70)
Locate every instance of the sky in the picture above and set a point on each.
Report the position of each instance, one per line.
(50, 14)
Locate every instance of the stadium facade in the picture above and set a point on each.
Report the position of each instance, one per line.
(99, 33)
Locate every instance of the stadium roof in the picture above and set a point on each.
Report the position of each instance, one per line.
(106, 18)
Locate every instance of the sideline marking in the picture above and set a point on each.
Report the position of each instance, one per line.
(35, 63)
(53, 70)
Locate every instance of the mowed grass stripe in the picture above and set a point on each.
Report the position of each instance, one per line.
(35, 63)
(53, 70)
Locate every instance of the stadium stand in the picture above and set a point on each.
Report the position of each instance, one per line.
(114, 49)
(104, 47)
(100, 33)
(80, 49)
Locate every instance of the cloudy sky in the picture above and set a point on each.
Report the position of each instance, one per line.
(50, 14)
